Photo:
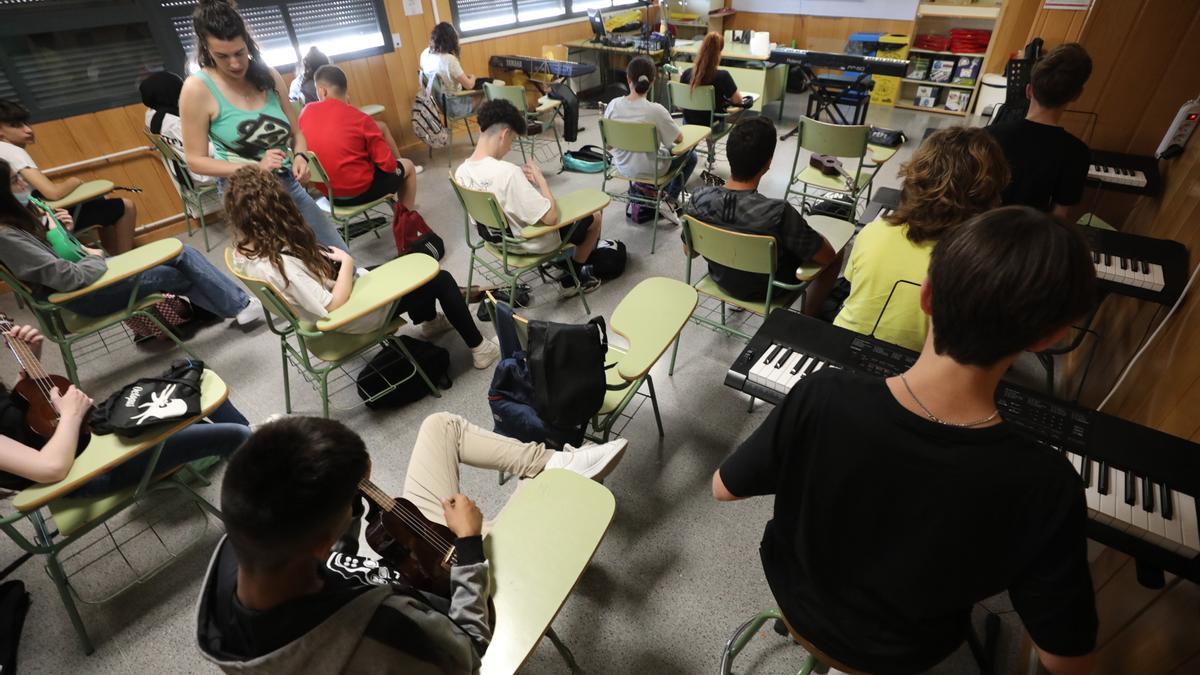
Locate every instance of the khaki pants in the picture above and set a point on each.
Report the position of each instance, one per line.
(447, 440)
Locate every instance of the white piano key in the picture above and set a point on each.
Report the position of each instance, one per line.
(1157, 526)
(1171, 526)
(793, 378)
(1157, 282)
(1141, 519)
(1107, 502)
(1124, 513)
(1188, 523)
(782, 371)
(1076, 461)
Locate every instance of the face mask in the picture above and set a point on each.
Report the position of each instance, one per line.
(23, 197)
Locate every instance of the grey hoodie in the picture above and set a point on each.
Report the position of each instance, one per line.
(33, 261)
(378, 627)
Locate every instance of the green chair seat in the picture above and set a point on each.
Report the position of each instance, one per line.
(72, 513)
(710, 288)
(348, 212)
(814, 177)
(78, 323)
(519, 261)
(334, 347)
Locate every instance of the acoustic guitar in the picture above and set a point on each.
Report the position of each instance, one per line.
(34, 390)
(831, 166)
(421, 550)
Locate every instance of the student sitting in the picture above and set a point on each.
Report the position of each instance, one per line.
(116, 217)
(522, 192)
(26, 458)
(705, 72)
(1049, 166)
(635, 107)
(361, 166)
(272, 243)
(277, 599)
(740, 207)
(160, 95)
(955, 174)
(304, 88)
(880, 581)
(440, 59)
(26, 250)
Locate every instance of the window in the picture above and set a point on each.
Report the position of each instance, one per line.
(67, 57)
(286, 30)
(477, 17)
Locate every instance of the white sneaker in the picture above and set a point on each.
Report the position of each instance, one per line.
(592, 461)
(253, 311)
(419, 169)
(270, 418)
(435, 327)
(485, 354)
(665, 212)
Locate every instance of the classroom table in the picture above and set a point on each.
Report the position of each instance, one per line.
(606, 53)
(123, 266)
(87, 191)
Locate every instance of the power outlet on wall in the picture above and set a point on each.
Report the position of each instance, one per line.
(396, 43)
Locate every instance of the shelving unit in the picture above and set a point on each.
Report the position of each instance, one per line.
(938, 18)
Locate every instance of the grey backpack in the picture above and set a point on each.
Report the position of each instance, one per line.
(427, 118)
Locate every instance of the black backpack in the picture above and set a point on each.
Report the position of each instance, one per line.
(390, 365)
(14, 605)
(608, 259)
(151, 401)
(567, 364)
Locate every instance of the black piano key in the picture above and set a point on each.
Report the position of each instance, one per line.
(1168, 509)
(1107, 260)
(796, 368)
(1145, 267)
(1147, 495)
(1102, 479)
(787, 353)
(771, 352)
(1130, 488)
(1085, 471)
(1095, 256)
(1124, 263)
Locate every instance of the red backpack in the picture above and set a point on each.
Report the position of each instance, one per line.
(413, 234)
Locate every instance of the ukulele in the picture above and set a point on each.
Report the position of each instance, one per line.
(831, 166)
(421, 550)
(34, 390)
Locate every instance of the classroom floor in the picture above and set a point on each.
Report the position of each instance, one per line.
(677, 572)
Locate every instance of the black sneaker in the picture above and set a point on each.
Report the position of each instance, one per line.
(587, 282)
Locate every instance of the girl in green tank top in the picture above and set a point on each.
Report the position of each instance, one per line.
(245, 135)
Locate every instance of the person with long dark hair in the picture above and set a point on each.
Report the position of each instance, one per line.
(28, 249)
(705, 72)
(272, 244)
(239, 103)
(635, 107)
(303, 88)
(441, 59)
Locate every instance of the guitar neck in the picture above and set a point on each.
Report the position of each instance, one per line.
(22, 352)
(376, 495)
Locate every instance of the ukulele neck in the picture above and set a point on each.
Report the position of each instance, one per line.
(23, 353)
(377, 496)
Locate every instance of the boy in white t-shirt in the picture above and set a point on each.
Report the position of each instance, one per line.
(115, 216)
(522, 192)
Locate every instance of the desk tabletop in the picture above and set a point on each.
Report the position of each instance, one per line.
(110, 450)
(539, 546)
(572, 206)
(733, 51)
(124, 266)
(650, 317)
(372, 109)
(381, 287)
(692, 135)
(85, 192)
(588, 44)
(835, 230)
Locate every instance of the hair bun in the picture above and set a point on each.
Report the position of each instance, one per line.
(643, 78)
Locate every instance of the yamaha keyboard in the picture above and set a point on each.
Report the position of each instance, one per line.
(1141, 267)
(532, 65)
(1141, 484)
(871, 65)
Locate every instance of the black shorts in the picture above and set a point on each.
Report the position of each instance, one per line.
(579, 233)
(382, 185)
(102, 212)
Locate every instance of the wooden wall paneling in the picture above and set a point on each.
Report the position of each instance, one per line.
(1012, 31)
(1183, 84)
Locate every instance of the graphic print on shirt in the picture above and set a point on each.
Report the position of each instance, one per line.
(362, 569)
(256, 136)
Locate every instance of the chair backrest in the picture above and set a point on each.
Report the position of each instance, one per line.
(746, 252)
(702, 99)
(17, 286)
(839, 140)
(171, 157)
(504, 92)
(266, 292)
(319, 175)
(482, 207)
(630, 136)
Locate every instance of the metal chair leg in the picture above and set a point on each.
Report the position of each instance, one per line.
(563, 650)
(578, 285)
(654, 404)
(674, 353)
(59, 577)
(287, 386)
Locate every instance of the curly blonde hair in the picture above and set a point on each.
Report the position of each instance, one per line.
(268, 225)
(956, 174)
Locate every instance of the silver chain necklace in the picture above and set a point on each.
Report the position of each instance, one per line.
(935, 418)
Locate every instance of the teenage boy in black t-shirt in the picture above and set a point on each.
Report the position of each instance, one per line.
(900, 503)
(1049, 165)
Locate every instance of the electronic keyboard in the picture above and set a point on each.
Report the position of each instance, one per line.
(1117, 175)
(1142, 267)
(1140, 484)
(532, 65)
(872, 65)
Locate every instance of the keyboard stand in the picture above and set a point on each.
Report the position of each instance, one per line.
(826, 93)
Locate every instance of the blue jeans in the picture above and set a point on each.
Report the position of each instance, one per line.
(194, 442)
(689, 165)
(190, 274)
(316, 217)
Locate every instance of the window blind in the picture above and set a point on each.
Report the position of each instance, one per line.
(532, 10)
(69, 68)
(264, 23)
(477, 14)
(7, 91)
(336, 26)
